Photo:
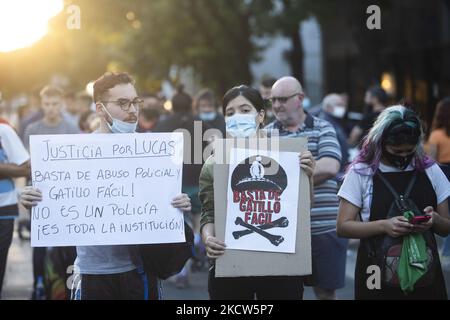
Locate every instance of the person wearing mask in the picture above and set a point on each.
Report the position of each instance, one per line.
(112, 272)
(244, 112)
(206, 110)
(333, 110)
(376, 99)
(390, 183)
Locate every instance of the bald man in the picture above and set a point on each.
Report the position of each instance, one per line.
(328, 251)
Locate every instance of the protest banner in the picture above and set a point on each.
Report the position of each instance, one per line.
(104, 189)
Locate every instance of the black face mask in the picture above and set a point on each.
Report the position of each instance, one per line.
(398, 161)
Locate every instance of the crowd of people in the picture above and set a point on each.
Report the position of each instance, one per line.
(398, 164)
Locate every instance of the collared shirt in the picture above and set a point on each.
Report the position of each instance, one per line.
(340, 134)
(322, 142)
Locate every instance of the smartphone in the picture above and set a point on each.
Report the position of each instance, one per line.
(420, 219)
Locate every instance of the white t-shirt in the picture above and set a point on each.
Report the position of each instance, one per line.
(14, 153)
(357, 189)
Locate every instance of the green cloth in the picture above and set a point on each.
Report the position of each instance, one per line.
(413, 260)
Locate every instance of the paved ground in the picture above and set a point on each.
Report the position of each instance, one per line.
(18, 278)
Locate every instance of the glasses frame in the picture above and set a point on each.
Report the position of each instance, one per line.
(136, 101)
(283, 100)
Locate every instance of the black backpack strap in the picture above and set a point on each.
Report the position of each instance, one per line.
(410, 185)
(392, 190)
(388, 185)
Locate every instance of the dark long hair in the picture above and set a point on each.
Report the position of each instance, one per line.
(251, 94)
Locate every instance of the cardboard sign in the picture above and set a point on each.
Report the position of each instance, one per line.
(247, 263)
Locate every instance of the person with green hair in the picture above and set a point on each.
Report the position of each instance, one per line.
(390, 166)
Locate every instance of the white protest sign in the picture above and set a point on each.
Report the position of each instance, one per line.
(107, 189)
(262, 200)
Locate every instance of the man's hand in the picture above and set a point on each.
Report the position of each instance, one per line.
(182, 202)
(307, 163)
(30, 196)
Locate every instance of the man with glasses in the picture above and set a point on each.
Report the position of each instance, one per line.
(113, 272)
(328, 251)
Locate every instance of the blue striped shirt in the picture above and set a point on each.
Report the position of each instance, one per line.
(322, 142)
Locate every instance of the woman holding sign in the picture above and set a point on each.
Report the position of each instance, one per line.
(244, 112)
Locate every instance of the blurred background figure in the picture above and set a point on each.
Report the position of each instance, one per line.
(147, 119)
(439, 149)
(89, 122)
(71, 112)
(376, 100)
(334, 109)
(206, 109)
(52, 122)
(83, 102)
(265, 89)
(32, 113)
(439, 141)
(14, 163)
(182, 120)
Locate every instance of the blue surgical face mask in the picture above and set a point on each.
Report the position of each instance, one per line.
(119, 126)
(241, 125)
(207, 116)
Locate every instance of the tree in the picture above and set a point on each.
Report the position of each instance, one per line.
(147, 38)
(212, 37)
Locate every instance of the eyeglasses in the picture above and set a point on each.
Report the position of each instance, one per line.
(125, 104)
(282, 100)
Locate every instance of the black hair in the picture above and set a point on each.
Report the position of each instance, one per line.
(181, 101)
(268, 82)
(149, 114)
(205, 94)
(251, 94)
(404, 131)
(83, 117)
(379, 93)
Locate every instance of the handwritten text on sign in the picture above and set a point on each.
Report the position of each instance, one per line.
(107, 189)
